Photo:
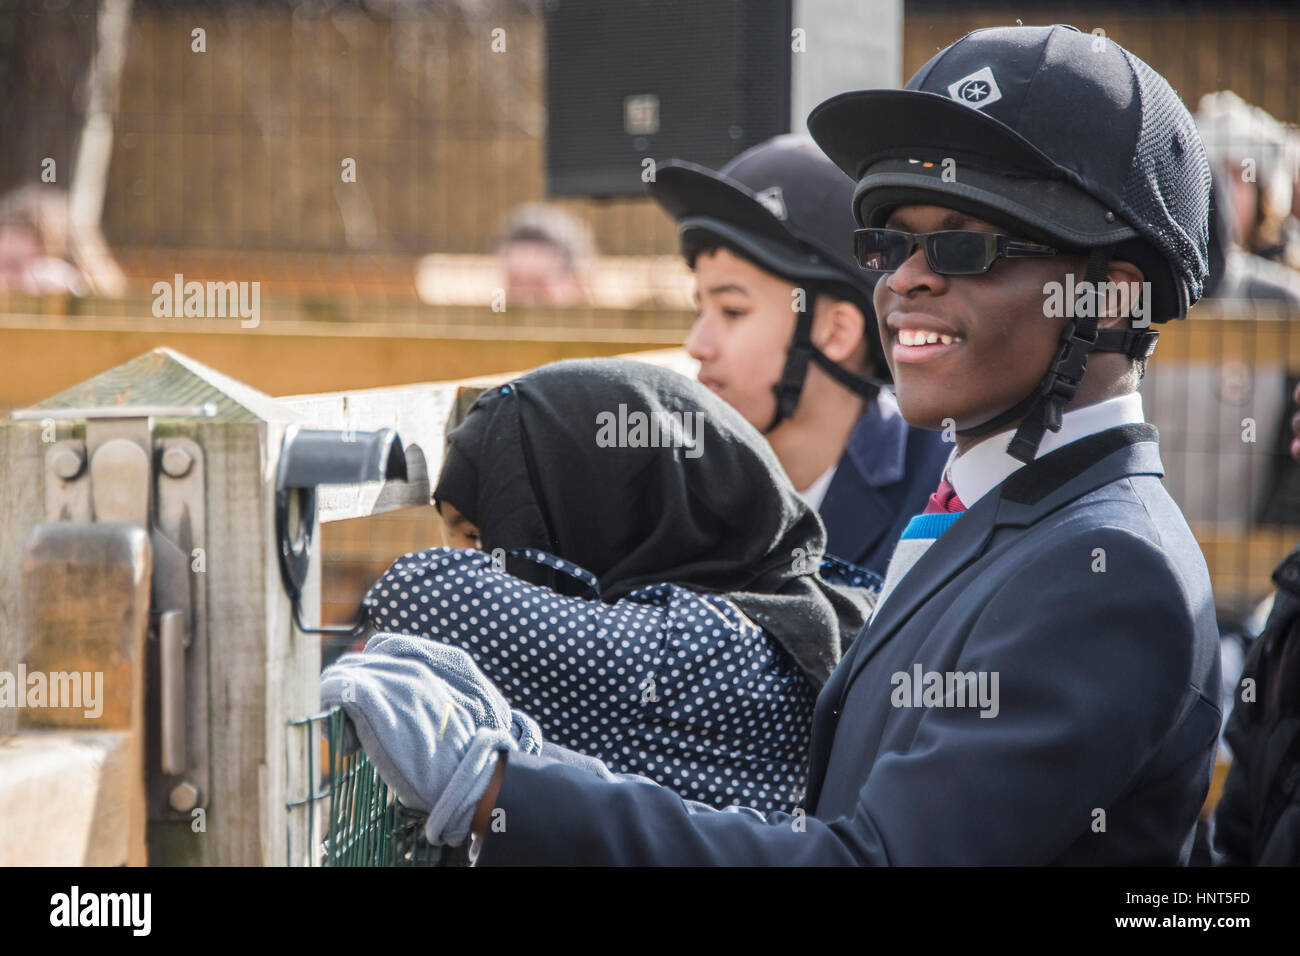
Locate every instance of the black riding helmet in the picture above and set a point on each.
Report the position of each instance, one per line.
(1062, 137)
(786, 207)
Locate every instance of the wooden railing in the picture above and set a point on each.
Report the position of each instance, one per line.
(304, 345)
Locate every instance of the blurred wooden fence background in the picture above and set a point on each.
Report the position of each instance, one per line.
(239, 149)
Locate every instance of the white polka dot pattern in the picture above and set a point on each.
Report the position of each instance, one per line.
(678, 686)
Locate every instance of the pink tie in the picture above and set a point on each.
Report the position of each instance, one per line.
(945, 499)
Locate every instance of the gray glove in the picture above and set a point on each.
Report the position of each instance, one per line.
(424, 740)
(472, 688)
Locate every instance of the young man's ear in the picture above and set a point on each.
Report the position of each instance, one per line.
(1125, 274)
(839, 330)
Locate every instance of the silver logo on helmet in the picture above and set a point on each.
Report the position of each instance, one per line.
(977, 90)
(773, 200)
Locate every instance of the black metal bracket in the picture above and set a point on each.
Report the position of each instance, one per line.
(312, 457)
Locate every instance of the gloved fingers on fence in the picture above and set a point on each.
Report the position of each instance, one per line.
(351, 742)
(526, 732)
(409, 722)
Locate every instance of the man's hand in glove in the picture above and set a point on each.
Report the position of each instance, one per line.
(472, 688)
(435, 744)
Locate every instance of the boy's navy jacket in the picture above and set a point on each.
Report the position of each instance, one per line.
(1079, 584)
(885, 476)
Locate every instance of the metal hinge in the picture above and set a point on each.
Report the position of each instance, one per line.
(121, 473)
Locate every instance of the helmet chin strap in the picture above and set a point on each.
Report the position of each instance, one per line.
(1043, 408)
(802, 351)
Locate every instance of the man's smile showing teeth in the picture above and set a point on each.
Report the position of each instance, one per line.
(913, 345)
(918, 337)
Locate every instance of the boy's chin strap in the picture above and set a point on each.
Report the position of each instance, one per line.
(797, 356)
(1042, 409)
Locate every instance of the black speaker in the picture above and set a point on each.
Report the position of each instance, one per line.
(656, 79)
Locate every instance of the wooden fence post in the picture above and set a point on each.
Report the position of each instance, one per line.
(260, 671)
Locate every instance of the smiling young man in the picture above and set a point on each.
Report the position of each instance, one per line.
(787, 335)
(1040, 683)
(993, 341)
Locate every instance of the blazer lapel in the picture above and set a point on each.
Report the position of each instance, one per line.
(1025, 497)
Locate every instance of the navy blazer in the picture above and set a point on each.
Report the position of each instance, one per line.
(885, 476)
(1079, 584)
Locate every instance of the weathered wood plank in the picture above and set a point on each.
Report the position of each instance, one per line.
(85, 615)
(44, 353)
(68, 799)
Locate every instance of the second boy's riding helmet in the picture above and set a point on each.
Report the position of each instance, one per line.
(1060, 137)
(786, 207)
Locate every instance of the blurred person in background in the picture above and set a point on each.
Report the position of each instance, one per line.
(1291, 228)
(1236, 131)
(34, 246)
(1255, 156)
(787, 335)
(1241, 275)
(1236, 272)
(545, 255)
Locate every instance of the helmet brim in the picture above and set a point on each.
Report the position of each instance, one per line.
(686, 190)
(1047, 210)
(859, 128)
(702, 200)
(777, 257)
(899, 145)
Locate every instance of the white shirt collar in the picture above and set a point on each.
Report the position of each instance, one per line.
(815, 493)
(986, 465)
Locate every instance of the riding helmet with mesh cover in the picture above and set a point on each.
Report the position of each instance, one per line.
(1061, 137)
(786, 207)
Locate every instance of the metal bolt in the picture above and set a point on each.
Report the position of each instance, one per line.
(184, 797)
(177, 462)
(68, 463)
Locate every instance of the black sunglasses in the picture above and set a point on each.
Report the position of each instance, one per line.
(953, 252)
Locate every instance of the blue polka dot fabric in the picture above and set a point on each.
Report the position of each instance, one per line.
(678, 686)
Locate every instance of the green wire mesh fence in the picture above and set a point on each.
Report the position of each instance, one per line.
(364, 823)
